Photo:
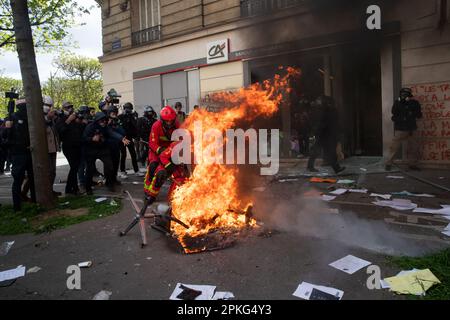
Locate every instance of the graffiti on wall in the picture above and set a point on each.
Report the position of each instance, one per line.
(434, 129)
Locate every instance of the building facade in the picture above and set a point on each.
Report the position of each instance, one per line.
(158, 52)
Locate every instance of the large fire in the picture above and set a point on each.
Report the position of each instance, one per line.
(209, 200)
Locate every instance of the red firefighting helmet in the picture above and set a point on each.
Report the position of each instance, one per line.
(168, 114)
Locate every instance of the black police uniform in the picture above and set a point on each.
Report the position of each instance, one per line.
(129, 123)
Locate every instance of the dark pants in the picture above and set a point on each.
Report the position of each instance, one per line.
(104, 156)
(73, 155)
(304, 142)
(144, 153)
(329, 152)
(21, 163)
(52, 167)
(123, 156)
(3, 156)
(82, 168)
(115, 159)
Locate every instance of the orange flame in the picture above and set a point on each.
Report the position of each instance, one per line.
(209, 199)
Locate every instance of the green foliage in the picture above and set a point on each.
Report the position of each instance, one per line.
(50, 21)
(438, 263)
(30, 218)
(83, 79)
(6, 83)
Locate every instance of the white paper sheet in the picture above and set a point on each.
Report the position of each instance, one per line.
(207, 291)
(12, 273)
(358, 190)
(398, 204)
(223, 296)
(345, 181)
(5, 247)
(34, 270)
(383, 196)
(339, 192)
(350, 264)
(445, 210)
(98, 200)
(328, 198)
(304, 291)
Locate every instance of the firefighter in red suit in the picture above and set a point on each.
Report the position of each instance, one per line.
(160, 139)
(166, 169)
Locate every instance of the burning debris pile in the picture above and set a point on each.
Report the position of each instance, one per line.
(209, 202)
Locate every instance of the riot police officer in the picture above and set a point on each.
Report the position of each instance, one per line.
(128, 121)
(144, 125)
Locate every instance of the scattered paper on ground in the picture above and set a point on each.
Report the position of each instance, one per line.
(358, 190)
(445, 210)
(5, 247)
(383, 196)
(12, 273)
(287, 180)
(409, 194)
(350, 264)
(346, 181)
(85, 264)
(34, 270)
(395, 177)
(207, 292)
(416, 283)
(398, 204)
(223, 296)
(305, 290)
(328, 198)
(339, 192)
(102, 295)
(322, 180)
(98, 200)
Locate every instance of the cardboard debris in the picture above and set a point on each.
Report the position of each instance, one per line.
(398, 204)
(308, 291)
(350, 264)
(206, 292)
(5, 247)
(102, 295)
(415, 283)
(322, 180)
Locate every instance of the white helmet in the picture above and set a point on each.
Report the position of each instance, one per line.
(48, 101)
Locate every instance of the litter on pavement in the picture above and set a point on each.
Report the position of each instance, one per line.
(350, 264)
(339, 192)
(5, 247)
(34, 270)
(12, 274)
(395, 177)
(358, 190)
(322, 180)
(287, 180)
(98, 200)
(409, 194)
(328, 198)
(383, 196)
(223, 296)
(310, 291)
(345, 181)
(415, 282)
(102, 295)
(86, 264)
(445, 210)
(192, 292)
(398, 204)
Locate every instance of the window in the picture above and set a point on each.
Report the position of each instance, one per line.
(149, 14)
